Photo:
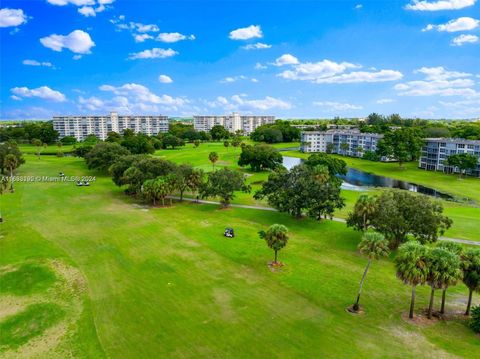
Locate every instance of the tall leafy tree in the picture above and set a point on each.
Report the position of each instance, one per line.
(411, 267)
(463, 161)
(260, 157)
(304, 188)
(213, 157)
(443, 271)
(400, 213)
(403, 145)
(218, 132)
(470, 264)
(363, 213)
(373, 246)
(104, 154)
(10, 148)
(276, 238)
(223, 183)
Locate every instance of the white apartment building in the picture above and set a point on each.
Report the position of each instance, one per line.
(232, 123)
(345, 142)
(82, 126)
(437, 150)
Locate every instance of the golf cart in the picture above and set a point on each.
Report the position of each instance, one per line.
(229, 233)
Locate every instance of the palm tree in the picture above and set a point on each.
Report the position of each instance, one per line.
(366, 207)
(226, 144)
(276, 237)
(411, 267)
(148, 190)
(3, 188)
(470, 263)
(11, 163)
(456, 249)
(374, 246)
(38, 144)
(213, 157)
(443, 271)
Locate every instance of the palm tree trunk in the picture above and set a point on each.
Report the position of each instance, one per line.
(356, 306)
(444, 294)
(412, 302)
(11, 180)
(154, 201)
(276, 255)
(181, 196)
(430, 306)
(470, 294)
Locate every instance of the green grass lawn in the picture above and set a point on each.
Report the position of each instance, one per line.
(137, 282)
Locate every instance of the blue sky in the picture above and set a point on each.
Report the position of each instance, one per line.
(292, 59)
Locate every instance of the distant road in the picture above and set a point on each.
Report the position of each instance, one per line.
(335, 219)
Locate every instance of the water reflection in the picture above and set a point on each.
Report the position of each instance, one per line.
(357, 180)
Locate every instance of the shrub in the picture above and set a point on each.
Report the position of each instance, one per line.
(475, 321)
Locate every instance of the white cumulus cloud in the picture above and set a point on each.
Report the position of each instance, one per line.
(383, 101)
(12, 17)
(286, 59)
(43, 92)
(155, 53)
(165, 79)
(439, 81)
(337, 106)
(327, 71)
(465, 39)
(246, 33)
(85, 7)
(439, 5)
(256, 46)
(460, 24)
(170, 37)
(77, 41)
(37, 63)
(142, 94)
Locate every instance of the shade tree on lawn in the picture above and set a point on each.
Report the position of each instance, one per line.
(10, 148)
(223, 183)
(309, 189)
(463, 161)
(104, 154)
(403, 145)
(260, 157)
(400, 213)
(134, 170)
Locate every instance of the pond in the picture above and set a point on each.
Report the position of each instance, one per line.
(356, 180)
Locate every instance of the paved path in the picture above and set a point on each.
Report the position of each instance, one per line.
(335, 219)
